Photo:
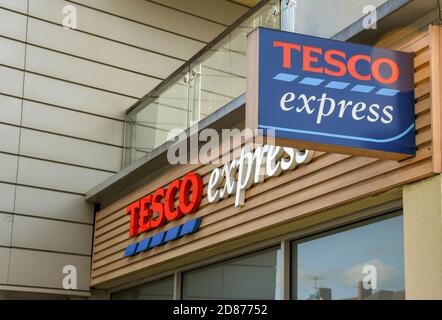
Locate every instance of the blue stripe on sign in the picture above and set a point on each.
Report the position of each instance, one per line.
(285, 77)
(402, 134)
(387, 92)
(143, 245)
(131, 250)
(157, 240)
(190, 227)
(337, 85)
(173, 234)
(311, 81)
(362, 88)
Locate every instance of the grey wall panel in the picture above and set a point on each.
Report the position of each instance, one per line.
(13, 53)
(43, 234)
(119, 29)
(99, 49)
(70, 150)
(10, 109)
(4, 264)
(211, 102)
(17, 5)
(5, 229)
(154, 138)
(11, 81)
(7, 192)
(150, 134)
(139, 154)
(161, 17)
(78, 70)
(45, 269)
(100, 71)
(72, 123)
(163, 116)
(53, 204)
(58, 176)
(226, 12)
(12, 25)
(76, 97)
(9, 138)
(8, 167)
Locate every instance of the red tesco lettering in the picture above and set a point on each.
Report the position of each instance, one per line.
(155, 210)
(337, 63)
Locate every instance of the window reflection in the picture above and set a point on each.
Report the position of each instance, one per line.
(363, 262)
(158, 290)
(254, 276)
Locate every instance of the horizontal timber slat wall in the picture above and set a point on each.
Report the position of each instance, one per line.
(328, 181)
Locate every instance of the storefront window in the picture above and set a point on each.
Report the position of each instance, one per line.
(255, 276)
(360, 262)
(158, 290)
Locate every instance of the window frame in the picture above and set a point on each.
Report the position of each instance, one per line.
(339, 229)
(171, 277)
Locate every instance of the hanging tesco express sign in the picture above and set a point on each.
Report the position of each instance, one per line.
(331, 96)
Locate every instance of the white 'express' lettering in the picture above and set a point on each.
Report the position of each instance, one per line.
(324, 107)
(252, 167)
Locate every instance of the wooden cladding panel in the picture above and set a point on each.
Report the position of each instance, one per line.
(330, 180)
(436, 68)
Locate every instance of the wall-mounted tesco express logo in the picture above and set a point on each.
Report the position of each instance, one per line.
(331, 96)
(232, 179)
(160, 207)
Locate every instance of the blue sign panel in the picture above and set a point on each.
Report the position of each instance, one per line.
(329, 95)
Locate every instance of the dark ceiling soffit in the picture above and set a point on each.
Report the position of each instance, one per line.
(155, 163)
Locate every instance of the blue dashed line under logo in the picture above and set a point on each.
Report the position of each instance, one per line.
(387, 92)
(163, 237)
(285, 77)
(338, 85)
(311, 81)
(362, 88)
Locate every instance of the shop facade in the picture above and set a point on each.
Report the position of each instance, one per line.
(333, 227)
